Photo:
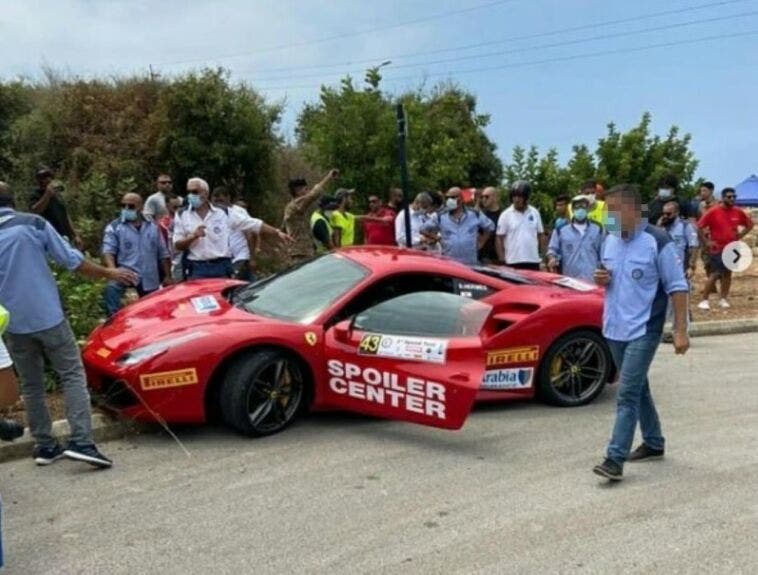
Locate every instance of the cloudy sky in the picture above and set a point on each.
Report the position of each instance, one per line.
(550, 72)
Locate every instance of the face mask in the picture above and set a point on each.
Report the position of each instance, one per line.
(665, 193)
(128, 215)
(451, 204)
(328, 213)
(580, 214)
(194, 200)
(612, 225)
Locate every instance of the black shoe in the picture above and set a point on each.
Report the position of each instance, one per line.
(88, 454)
(47, 455)
(644, 453)
(610, 470)
(10, 430)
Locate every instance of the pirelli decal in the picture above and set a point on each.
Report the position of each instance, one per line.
(512, 355)
(164, 379)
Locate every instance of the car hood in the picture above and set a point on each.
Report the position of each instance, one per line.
(173, 312)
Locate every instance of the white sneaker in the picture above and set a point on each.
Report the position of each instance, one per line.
(724, 304)
(704, 305)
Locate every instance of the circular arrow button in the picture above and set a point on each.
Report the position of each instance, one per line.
(737, 256)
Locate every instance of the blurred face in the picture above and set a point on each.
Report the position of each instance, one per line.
(489, 198)
(374, 204)
(222, 200)
(561, 209)
(164, 184)
(174, 204)
(729, 198)
(44, 181)
(624, 212)
(669, 214)
(453, 199)
(705, 193)
(301, 191)
(396, 196)
(131, 202)
(349, 201)
(519, 202)
(197, 188)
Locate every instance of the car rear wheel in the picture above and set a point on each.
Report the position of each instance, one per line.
(262, 393)
(575, 369)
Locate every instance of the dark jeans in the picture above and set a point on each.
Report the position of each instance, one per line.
(526, 266)
(218, 268)
(242, 271)
(113, 294)
(634, 402)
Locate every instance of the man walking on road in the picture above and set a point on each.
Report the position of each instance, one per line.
(38, 329)
(640, 270)
(725, 223)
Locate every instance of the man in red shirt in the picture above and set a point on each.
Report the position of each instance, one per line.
(379, 230)
(725, 223)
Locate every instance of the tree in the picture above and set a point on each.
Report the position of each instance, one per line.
(355, 130)
(639, 158)
(222, 133)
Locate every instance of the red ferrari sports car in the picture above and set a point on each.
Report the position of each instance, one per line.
(387, 332)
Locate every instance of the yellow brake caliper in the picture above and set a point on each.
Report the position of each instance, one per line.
(555, 369)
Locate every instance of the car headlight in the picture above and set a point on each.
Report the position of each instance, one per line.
(140, 354)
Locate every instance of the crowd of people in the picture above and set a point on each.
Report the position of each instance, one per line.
(204, 233)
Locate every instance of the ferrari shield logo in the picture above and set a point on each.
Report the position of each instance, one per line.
(311, 338)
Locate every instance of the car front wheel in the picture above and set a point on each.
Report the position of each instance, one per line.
(262, 393)
(575, 369)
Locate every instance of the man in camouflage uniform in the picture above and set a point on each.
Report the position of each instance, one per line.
(297, 216)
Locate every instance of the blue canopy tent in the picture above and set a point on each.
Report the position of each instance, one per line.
(747, 192)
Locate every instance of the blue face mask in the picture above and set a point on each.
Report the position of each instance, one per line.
(194, 200)
(612, 225)
(580, 214)
(128, 215)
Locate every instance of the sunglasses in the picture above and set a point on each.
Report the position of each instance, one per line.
(129, 206)
(164, 182)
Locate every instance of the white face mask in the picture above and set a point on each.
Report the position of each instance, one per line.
(451, 204)
(665, 193)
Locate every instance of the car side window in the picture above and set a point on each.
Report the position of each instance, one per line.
(425, 313)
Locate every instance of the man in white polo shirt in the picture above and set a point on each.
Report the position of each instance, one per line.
(520, 235)
(203, 230)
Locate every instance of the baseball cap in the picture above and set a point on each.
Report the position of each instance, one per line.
(342, 193)
(43, 171)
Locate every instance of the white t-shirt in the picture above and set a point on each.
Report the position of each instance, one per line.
(518, 231)
(155, 206)
(582, 228)
(238, 239)
(218, 228)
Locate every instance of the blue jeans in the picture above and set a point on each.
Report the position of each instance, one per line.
(634, 402)
(219, 268)
(113, 294)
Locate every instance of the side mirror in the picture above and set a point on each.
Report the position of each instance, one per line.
(343, 330)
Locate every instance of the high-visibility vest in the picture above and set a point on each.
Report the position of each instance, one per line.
(315, 217)
(4, 319)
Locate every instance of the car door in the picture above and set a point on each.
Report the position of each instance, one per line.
(417, 357)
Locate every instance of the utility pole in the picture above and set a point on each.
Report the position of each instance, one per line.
(402, 131)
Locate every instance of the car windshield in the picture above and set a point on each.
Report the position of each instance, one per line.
(301, 294)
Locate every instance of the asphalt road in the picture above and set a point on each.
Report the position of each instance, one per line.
(510, 493)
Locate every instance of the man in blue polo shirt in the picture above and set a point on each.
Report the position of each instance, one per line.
(575, 247)
(463, 232)
(134, 243)
(38, 329)
(640, 270)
